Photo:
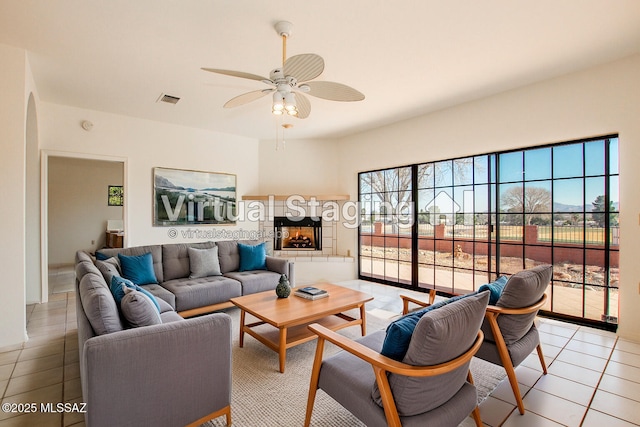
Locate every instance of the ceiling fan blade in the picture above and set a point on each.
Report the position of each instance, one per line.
(334, 91)
(303, 105)
(236, 74)
(304, 67)
(245, 98)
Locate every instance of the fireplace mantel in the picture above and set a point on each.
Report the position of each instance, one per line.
(325, 197)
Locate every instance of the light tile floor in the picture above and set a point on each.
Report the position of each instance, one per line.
(593, 379)
(593, 376)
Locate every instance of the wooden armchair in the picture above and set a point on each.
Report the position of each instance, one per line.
(350, 376)
(407, 299)
(507, 356)
(510, 332)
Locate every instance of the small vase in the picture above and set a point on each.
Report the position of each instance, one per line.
(283, 290)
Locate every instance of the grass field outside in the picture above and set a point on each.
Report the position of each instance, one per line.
(546, 233)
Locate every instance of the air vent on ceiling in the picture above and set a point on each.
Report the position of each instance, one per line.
(168, 99)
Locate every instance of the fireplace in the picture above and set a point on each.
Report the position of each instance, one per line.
(302, 233)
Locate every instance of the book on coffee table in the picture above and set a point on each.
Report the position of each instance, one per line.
(311, 293)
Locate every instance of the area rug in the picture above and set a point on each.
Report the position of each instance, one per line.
(264, 397)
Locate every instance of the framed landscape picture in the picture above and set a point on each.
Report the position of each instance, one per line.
(186, 197)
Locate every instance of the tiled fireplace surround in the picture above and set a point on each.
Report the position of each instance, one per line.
(278, 207)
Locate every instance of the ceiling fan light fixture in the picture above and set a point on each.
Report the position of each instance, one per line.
(289, 102)
(278, 102)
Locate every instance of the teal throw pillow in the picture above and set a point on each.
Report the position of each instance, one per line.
(138, 269)
(396, 342)
(118, 290)
(101, 257)
(495, 289)
(252, 257)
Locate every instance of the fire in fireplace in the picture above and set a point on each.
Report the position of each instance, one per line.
(297, 233)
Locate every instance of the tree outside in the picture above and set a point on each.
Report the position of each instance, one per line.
(530, 201)
(599, 213)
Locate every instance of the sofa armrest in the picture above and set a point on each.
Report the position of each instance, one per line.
(282, 266)
(168, 374)
(278, 265)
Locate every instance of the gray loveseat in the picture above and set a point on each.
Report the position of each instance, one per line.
(172, 373)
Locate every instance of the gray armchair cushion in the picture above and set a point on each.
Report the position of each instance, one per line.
(440, 335)
(518, 351)
(523, 289)
(204, 262)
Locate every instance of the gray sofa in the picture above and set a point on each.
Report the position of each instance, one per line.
(172, 373)
(190, 297)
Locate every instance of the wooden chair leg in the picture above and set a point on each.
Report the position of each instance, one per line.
(313, 386)
(476, 417)
(541, 357)
(226, 411)
(511, 374)
(476, 412)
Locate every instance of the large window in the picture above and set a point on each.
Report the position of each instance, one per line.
(480, 217)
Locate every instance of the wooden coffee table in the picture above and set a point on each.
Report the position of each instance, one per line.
(290, 316)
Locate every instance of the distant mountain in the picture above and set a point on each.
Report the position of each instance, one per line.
(219, 189)
(561, 207)
(163, 182)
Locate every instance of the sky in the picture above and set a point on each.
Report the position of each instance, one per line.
(578, 170)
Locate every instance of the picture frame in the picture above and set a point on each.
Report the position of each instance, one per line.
(190, 197)
(115, 195)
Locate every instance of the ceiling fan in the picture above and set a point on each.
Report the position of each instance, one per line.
(289, 82)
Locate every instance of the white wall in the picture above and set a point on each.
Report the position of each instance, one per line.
(598, 101)
(306, 167)
(77, 205)
(33, 261)
(13, 107)
(147, 144)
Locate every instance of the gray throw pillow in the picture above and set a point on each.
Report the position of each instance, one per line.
(523, 289)
(204, 262)
(109, 268)
(138, 309)
(440, 336)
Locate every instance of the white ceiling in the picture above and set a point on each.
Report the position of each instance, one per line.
(408, 57)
